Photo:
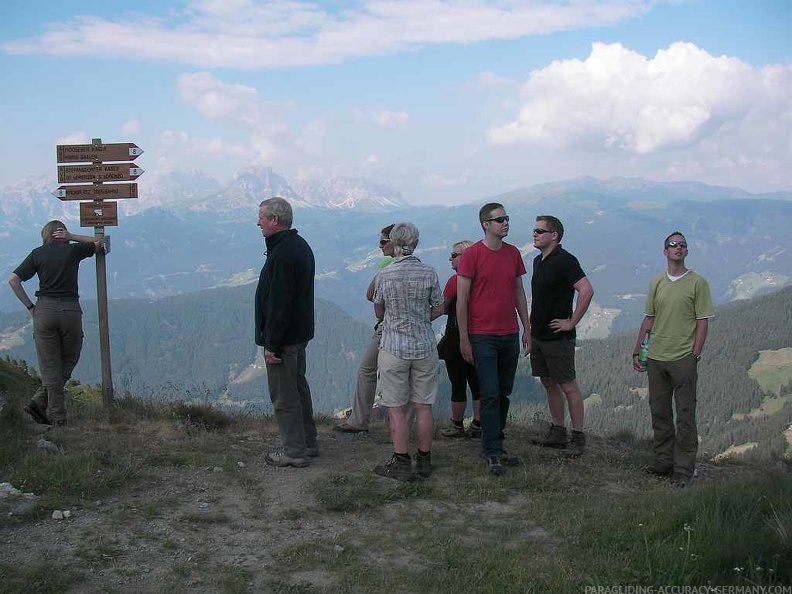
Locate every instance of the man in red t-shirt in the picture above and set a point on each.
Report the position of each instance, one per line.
(490, 296)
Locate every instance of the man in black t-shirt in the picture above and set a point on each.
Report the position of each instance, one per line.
(557, 275)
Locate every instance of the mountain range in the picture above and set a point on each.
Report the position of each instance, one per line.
(189, 232)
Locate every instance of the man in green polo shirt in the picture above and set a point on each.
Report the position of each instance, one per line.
(678, 308)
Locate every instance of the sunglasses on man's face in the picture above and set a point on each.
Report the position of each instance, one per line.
(455, 255)
(503, 219)
(541, 231)
(673, 244)
(384, 242)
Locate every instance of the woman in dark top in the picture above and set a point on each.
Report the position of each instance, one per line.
(461, 374)
(57, 317)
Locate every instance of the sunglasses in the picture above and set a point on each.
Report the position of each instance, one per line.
(541, 231)
(384, 242)
(455, 255)
(673, 244)
(503, 219)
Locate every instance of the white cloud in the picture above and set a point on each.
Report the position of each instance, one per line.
(389, 119)
(217, 100)
(251, 34)
(130, 127)
(683, 112)
(619, 98)
(372, 159)
(173, 141)
(487, 78)
(214, 99)
(441, 181)
(74, 138)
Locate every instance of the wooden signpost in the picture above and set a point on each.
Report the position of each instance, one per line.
(98, 212)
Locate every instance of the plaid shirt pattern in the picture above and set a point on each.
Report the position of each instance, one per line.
(408, 289)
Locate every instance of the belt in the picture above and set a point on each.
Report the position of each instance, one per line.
(46, 298)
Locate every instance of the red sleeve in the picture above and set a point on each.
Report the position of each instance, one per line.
(466, 265)
(450, 290)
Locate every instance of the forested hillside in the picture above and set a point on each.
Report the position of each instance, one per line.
(200, 346)
(617, 395)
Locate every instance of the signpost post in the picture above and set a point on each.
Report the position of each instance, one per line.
(99, 214)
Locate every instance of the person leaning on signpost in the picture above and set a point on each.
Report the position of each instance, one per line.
(57, 316)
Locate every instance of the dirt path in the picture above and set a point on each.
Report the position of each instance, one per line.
(235, 524)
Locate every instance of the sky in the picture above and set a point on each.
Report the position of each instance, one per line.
(444, 101)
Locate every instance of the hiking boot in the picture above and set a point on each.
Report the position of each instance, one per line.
(658, 470)
(347, 428)
(280, 458)
(397, 468)
(554, 437)
(508, 459)
(454, 430)
(473, 431)
(32, 408)
(312, 451)
(577, 444)
(423, 464)
(494, 466)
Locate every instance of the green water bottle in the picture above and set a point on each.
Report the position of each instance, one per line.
(643, 352)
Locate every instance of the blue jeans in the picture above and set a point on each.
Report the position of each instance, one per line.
(496, 363)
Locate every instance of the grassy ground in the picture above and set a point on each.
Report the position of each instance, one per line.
(177, 498)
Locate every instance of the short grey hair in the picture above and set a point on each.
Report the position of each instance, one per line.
(280, 207)
(464, 244)
(404, 237)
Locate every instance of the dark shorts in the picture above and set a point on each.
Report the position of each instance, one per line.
(554, 359)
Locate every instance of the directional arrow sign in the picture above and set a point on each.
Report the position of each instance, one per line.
(97, 192)
(105, 173)
(75, 153)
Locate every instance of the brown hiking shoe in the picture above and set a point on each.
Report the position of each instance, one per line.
(396, 468)
(577, 444)
(32, 408)
(281, 459)
(554, 437)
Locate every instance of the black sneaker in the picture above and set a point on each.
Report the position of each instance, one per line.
(473, 431)
(396, 468)
(32, 408)
(423, 465)
(494, 466)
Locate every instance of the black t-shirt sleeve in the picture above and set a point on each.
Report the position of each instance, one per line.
(27, 269)
(572, 270)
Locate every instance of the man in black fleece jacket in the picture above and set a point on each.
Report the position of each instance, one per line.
(284, 325)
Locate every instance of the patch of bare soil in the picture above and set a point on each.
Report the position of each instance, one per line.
(240, 525)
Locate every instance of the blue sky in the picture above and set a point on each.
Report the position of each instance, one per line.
(446, 102)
